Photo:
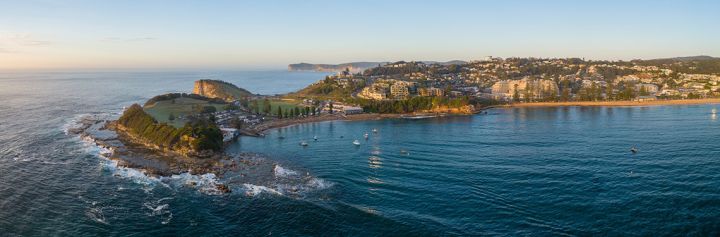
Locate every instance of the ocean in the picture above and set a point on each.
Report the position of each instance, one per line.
(512, 171)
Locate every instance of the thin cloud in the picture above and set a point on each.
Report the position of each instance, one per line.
(24, 39)
(129, 40)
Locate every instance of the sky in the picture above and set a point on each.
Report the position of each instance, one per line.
(98, 34)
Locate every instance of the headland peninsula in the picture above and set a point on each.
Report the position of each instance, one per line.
(187, 132)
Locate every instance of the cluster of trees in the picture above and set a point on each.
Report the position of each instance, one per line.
(410, 105)
(387, 70)
(202, 134)
(267, 109)
(330, 88)
(295, 112)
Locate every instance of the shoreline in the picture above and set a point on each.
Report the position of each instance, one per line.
(614, 103)
(261, 129)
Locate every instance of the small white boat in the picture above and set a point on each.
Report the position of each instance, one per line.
(315, 138)
(303, 143)
(366, 136)
(374, 130)
(356, 142)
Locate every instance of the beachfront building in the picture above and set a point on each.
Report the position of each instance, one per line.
(505, 90)
(649, 88)
(399, 91)
(432, 91)
(352, 110)
(372, 93)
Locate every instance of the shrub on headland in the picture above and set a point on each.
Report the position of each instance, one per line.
(197, 135)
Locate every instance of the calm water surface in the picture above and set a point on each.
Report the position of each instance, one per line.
(528, 171)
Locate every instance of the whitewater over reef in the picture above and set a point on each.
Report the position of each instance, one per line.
(249, 174)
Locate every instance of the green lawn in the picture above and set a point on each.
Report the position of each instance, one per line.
(183, 106)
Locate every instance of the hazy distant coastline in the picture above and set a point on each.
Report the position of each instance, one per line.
(353, 67)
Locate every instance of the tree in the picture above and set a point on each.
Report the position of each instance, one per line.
(314, 110)
(297, 111)
(330, 106)
(529, 91)
(553, 95)
(609, 91)
(643, 91)
(565, 96)
(594, 92)
(516, 94)
(266, 106)
(255, 107)
(208, 109)
(244, 102)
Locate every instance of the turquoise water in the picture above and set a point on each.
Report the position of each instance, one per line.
(525, 171)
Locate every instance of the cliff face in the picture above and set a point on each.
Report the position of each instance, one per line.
(219, 89)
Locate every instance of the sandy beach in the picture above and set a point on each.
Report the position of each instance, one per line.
(617, 103)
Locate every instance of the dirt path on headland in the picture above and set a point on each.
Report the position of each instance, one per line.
(616, 103)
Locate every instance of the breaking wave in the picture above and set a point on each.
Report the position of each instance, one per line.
(254, 190)
(281, 172)
(205, 183)
(287, 182)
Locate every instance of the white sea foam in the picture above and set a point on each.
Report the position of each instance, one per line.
(135, 175)
(96, 214)
(158, 209)
(281, 172)
(205, 183)
(254, 190)
(318, 183)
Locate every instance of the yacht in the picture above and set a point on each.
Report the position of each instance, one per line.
(315, 138)
(356, 142)
(374, 130)
(634, 149)
(303, 143)
(366, 136)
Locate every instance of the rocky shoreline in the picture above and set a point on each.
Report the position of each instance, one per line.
(117, 145)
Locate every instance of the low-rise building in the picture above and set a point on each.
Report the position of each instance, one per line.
(649, 88)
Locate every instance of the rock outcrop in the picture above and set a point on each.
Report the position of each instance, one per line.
(219, 89)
